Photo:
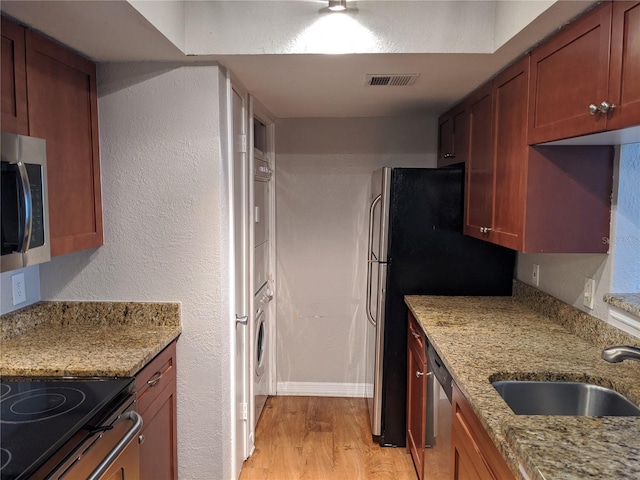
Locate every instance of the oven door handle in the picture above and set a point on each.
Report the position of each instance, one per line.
(120, 446)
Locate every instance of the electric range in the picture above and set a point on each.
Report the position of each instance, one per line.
(44, 421)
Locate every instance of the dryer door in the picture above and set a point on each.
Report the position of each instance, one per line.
(260, 342)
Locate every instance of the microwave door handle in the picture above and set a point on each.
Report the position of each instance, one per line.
(27, 214)
(370, 260)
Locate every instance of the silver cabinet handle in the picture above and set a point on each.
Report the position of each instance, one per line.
(593, 109)
(120, 446)
(449, 155)
(419, 373)
(607, 107)
(485, 229)
(153, 381)
(141, 439)
(244, 320)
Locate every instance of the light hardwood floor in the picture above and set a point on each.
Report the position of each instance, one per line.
(318, 438)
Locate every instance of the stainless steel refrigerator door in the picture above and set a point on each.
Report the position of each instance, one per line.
(376, 291)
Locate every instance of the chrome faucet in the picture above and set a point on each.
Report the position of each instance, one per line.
(620, 353)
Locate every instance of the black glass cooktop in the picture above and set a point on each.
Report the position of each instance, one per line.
(39, 417)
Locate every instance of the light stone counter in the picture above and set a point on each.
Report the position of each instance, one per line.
(86, 338)
(629, 302)
(483, 339)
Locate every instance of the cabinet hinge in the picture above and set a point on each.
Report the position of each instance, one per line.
(245, 412)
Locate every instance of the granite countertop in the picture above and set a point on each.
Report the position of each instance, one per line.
(483, 339)
(105, 339)
(629, 302)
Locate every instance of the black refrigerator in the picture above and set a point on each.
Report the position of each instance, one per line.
(416, 247)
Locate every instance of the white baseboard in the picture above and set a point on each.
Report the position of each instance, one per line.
(322, 389)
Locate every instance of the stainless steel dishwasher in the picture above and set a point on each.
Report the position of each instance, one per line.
(437, 454)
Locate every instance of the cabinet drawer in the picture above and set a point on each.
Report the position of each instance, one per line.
(417, 339)
(152, 379)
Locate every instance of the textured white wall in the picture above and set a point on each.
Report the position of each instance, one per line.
(285, 27)
(164, 204)
(322, 188)
(167, 16)
(511, 17)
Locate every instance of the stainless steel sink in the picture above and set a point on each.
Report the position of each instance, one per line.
(563, 398)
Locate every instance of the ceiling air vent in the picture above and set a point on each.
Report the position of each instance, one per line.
(391, 80)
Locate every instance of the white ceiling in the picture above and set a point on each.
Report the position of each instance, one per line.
(454, 46)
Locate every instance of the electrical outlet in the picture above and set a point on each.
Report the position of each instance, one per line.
(19, 292)
(535, 275)
(589, 292)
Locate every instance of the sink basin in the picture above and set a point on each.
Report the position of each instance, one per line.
(563, 398)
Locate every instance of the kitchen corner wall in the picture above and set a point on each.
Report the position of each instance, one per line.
(165, 229)
(323, 182)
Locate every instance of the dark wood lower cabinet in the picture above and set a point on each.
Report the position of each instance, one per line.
(416, 394)
(475, 457)
(156, 391)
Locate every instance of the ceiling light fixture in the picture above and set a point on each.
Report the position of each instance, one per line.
(337, 5)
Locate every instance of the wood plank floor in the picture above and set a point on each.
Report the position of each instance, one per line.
(318, 438)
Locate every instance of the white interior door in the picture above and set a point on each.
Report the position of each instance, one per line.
(242, 284)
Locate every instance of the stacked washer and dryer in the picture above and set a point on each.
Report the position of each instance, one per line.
(260, 332)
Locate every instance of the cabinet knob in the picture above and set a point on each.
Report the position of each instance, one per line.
(593, 109)
(141, 439)
(607, 107)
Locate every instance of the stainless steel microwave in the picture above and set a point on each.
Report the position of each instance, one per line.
(24, 221)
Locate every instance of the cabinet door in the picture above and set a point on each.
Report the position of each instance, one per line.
(475, 457)
(445, 140)
(479, 181)
(416, 397)
(460, 119)
(63, 110)
(158, 449)
(453, 136)
(569, 73)
(14, 80)
(156, 393)
(624, 79)
(510, 90)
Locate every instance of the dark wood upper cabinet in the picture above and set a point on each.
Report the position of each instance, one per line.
(63, 110)
(14, 80)
(453, 136)
(496, 169)
(531, 199)
(624, 78)
(479, 169)
(585, 78)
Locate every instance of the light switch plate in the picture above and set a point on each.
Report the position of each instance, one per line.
(18, 291)
(589, 292)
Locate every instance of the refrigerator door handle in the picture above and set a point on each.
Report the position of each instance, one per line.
(370, 260)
